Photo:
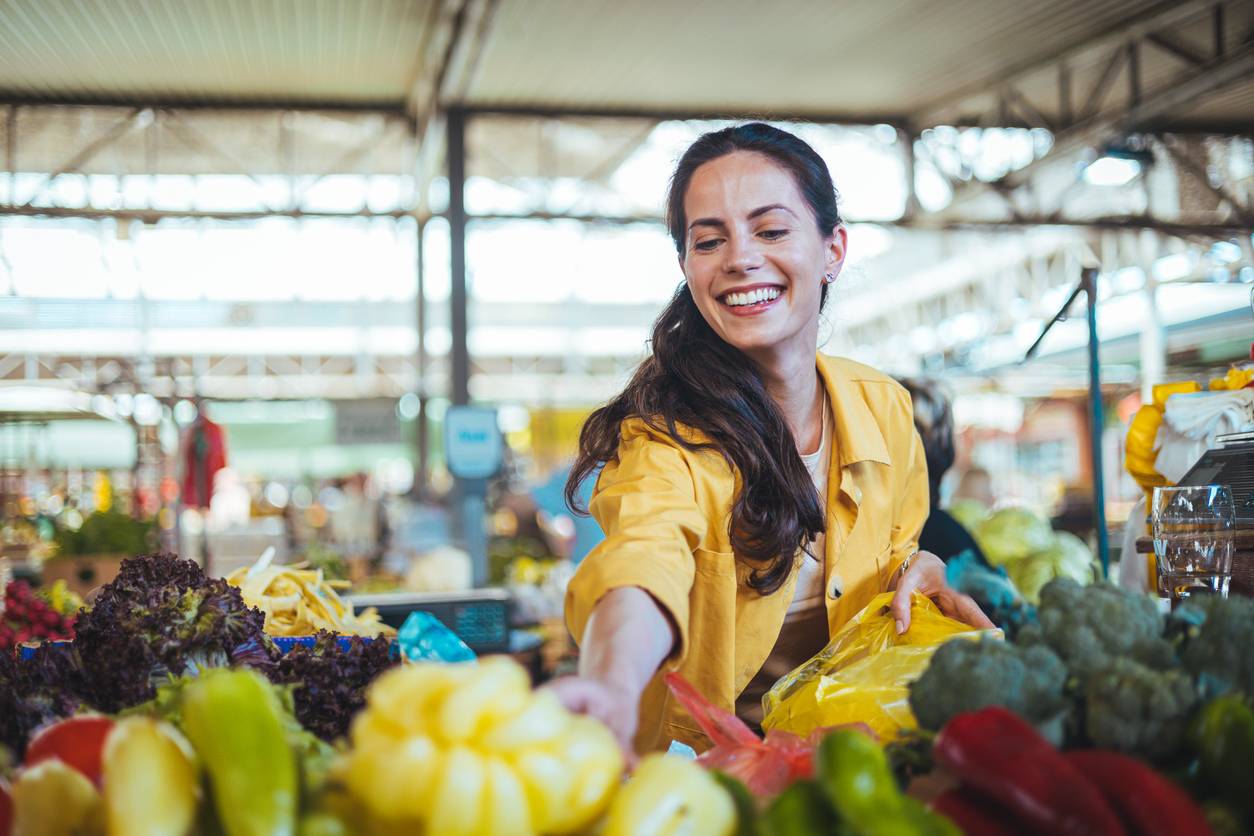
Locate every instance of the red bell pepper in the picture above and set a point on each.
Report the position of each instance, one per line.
(77, 741)
(997, 753)
(1149, 803)
(976, 815)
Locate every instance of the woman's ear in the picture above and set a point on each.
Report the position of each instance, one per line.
(837, 245)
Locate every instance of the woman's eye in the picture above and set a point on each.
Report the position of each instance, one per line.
(774, 234)
(706, 245)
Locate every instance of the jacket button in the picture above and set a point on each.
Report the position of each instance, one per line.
(835, 587)
(857, 494)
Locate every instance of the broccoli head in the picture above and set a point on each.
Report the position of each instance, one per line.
(1217, 643)
(1134, 709)
(966, 675)
(1090, 626)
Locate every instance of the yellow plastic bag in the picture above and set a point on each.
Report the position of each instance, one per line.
(863, 673)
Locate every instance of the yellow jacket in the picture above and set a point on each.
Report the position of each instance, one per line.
(665, 512)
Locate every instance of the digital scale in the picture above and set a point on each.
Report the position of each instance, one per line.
(479, 617)
(1230, 463)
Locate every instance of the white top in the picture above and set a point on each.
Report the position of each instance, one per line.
(810, 575)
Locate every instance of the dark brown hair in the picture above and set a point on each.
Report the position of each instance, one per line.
(696, 379)
(934, 419)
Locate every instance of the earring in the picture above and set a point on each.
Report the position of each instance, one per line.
(828, 278)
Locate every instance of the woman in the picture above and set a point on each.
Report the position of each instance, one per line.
(753, 498)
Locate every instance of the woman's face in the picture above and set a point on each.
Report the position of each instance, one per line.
(754, 258)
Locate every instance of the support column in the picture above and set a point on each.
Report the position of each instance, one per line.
(422, 475)
(459, 355)
(469, 501)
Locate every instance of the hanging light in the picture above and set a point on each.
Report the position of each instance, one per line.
(1121, 161)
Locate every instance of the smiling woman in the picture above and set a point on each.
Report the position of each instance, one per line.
(754, 495)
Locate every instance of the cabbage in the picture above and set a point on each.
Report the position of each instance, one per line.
(969, 513)
(1068, 557)
(1013, 534)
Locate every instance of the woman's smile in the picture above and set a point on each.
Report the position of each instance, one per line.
(751, 300)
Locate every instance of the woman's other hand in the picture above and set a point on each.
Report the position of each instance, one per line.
(926, 574)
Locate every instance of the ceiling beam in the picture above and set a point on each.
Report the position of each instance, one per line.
(1154, 106)
(388, 107)
(713, 114)
(1163, 15)
(1221, 229)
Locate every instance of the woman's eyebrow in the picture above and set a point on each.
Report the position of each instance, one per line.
(761, 210)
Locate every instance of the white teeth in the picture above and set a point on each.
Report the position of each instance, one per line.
(753, 297)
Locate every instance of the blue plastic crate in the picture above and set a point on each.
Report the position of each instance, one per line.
(285, 644)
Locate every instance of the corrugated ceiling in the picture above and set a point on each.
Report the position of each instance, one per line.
(319, 51)
(852, 58)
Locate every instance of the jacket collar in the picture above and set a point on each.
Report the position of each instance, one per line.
(858, 437)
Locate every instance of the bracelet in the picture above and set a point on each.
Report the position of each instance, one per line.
(905, 564)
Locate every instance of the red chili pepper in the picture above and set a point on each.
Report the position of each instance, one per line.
(997, 753)
(1149, 803)
(976, 815)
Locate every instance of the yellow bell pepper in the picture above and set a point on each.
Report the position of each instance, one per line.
(671, 796)
(469, 749)
(52, 799)
(151, 779)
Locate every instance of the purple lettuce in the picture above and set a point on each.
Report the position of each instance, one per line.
(162, 617)
(330, 681)
(37, 691)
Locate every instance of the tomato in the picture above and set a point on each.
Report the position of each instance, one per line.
(77, 741)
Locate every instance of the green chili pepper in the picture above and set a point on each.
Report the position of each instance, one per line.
(234, 720)
(855, 775)
(1223, 736)
(746, 807)
(800, 810)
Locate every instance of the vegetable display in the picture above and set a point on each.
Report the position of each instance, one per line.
(161, 617)
(1102, 668)
(329, 680)
(301, 602)
(1030, 551)
(1001, 756)
(470, 749)
(27, 616)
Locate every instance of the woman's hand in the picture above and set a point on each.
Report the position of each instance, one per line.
(624, 643)
(613, 706)
(927, 575)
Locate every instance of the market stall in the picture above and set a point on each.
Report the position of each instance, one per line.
(177, 707)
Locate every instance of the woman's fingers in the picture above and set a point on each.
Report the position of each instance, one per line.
(967, 611)
(900, 606)
(581, 695)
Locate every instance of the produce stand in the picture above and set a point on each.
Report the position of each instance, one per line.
(1099, 714)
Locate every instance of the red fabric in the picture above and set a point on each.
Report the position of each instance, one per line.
(203, 455)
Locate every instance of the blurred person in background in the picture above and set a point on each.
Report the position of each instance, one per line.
(976, 485)
(733, 453)
(934, 419)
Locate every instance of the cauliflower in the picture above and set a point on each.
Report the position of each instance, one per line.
(1216, 644)
(1136, 710)
(1088, 627)
(966, 675)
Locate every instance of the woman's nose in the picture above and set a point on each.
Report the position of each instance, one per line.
(742, 254)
